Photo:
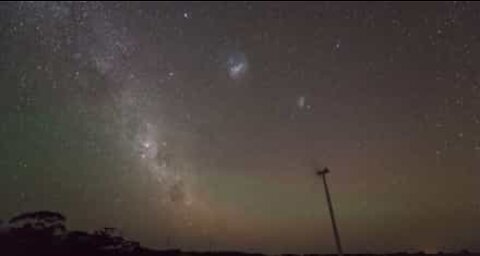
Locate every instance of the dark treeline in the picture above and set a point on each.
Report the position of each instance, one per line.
(44, 233)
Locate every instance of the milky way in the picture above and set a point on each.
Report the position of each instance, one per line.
(199, 125)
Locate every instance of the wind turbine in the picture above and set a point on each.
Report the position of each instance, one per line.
(323, 174)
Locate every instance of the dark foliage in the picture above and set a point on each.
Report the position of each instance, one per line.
(44, 233)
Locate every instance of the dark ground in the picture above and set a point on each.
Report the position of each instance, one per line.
(44, 233)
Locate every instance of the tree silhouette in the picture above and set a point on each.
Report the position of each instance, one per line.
(40, 232)
(44, 233)
(109, 239)
(51, 223)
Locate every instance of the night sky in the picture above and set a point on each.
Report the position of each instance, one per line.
(199, 125)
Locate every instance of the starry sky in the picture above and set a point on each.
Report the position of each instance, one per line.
(199, 125)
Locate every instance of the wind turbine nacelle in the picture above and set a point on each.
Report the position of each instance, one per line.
(323, 172)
